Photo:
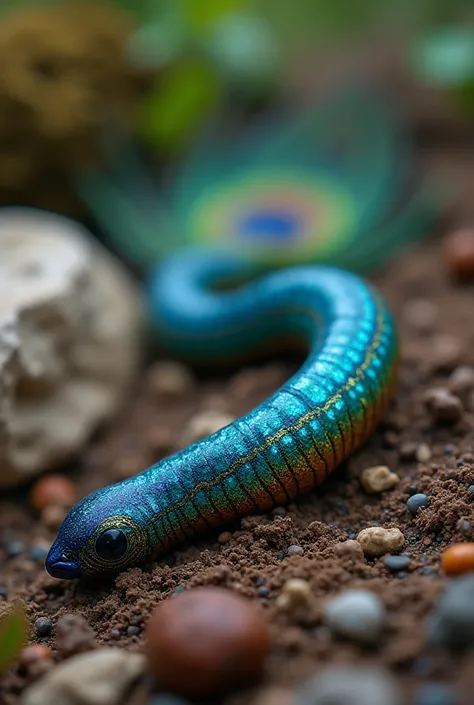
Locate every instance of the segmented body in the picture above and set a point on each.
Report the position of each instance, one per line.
(289, 443)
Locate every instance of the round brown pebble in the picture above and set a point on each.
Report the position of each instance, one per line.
(205, 641)
(52, 490)
(459, 252)
(458, 559)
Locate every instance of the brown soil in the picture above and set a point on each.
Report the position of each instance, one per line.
(339, 509)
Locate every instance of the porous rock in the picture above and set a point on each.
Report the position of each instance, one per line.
(70, 322)
(100, 677)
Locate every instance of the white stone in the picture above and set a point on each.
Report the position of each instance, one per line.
(99, 677)
(70, 334)
(358, 615)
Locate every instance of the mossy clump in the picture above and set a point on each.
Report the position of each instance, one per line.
(64, 80)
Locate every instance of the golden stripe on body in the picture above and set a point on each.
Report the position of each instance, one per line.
(278, 435)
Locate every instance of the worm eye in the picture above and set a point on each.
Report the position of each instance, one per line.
(111, 545)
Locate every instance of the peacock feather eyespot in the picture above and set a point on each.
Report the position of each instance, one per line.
(117, 543)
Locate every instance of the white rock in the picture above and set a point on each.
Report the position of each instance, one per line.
(100, 677)
(70, 329)
(356, 614)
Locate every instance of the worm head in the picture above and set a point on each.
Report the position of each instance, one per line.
(96, 539)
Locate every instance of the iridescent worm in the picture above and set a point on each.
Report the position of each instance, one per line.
(284, 447)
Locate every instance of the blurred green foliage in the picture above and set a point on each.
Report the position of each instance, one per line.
(13, 636)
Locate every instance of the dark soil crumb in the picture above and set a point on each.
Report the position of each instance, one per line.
(431, 455)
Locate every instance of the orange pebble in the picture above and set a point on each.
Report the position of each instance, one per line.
(459, 252)
(34, 653)
(206, 641)
(458, 559)
(52, 490)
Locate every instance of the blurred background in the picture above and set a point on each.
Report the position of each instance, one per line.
(164, 70)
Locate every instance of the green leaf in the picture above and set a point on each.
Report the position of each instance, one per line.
(179, 104)
(202, 14)
(13, 636)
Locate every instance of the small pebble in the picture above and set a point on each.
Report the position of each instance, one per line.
(263, 591)
(416, 502)
(52, 490)
(3, 593)
(230, 651)
(435, 694)
(279, 512)
(376, 541)
(13, 548)
(53, 516)
(451, 623)
(43, 627)
(38, 552)
(132, 630)
(204, 424)
(443, 405)
(295, 593)
(358, 615)
(464, 527)
(350, 685)
(295, 550)
(169, 380)
(101, 677)
(458, 559)
(396, 563)
(378, 479)
(224, 537)
(423, 453)
(421, 314)
(461, 381)
(459, 252)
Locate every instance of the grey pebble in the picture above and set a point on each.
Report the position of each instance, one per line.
(3, 593)
(43, 627)
(416, 502)
(133, 630)
(435, 694)
(350, 686)
(396, 563)
(13, 548)
(451, 623)
(263, 591)
(358, 615)
(295, 550)
(38, 553)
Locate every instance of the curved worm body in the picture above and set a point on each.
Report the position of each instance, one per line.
(284, 447)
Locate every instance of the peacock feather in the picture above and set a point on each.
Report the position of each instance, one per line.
(336, 183)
